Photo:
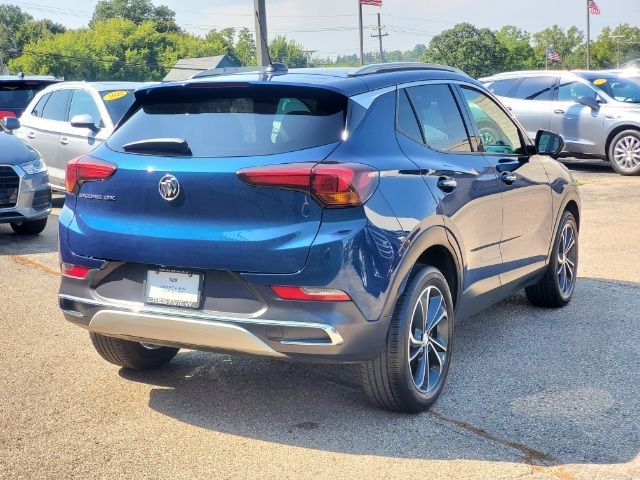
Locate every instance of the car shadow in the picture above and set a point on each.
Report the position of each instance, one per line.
(526, 385)
(588, 165)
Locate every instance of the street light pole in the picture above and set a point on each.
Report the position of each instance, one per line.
(262, 52)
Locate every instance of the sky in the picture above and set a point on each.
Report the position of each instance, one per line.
(330, 26)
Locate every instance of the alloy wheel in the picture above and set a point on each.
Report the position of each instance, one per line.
(626, 152)
(567, 256)
(428, 339)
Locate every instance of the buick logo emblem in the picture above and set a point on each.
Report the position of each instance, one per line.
(169, 187)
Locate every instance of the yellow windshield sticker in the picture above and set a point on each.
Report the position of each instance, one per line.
(115, 95)
(600, 81)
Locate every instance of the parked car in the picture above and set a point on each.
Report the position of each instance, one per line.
(375, 216)
(597, 113)
(25, 195)
(70, 119)
(16, 91)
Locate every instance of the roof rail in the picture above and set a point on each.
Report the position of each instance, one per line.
(400, 67)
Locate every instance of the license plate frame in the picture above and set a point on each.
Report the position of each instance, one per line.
(173, 288)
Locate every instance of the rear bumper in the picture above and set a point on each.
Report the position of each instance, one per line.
(344, 336)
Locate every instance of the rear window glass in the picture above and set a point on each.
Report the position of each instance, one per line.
(117, 102)
(15, 96)
(237, 121)
(502, 87)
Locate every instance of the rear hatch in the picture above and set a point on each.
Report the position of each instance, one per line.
(15, 95)
(201, 135)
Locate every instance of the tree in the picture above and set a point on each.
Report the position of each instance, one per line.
(287, 51)
(623, 40)
(245, 48)
(138, 11)
(568, 44)
(517, 42)
(475, 51)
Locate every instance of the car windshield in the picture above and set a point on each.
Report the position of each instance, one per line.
(15, 96)
(618, 88)
(230, 121)
(117, 102)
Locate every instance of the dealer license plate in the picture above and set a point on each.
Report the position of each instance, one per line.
(173, 288)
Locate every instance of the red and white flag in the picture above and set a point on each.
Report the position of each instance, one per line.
(375, 3)
(593, 8)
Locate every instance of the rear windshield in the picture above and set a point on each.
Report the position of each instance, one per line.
(230, 121)
(16, 96)
(117, 102)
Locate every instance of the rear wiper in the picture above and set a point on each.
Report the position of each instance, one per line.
(159, 146)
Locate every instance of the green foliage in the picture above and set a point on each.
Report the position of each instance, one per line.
(287, 51)
(475, 51)
(621, 43)
(567, 43)
(245, 48)
(138, 11)
(517, 43)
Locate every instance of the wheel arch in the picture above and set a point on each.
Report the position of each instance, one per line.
(615, 131)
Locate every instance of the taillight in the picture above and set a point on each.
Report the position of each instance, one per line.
(74, 271)
(313, 294)
(333, 184)
(87, 169)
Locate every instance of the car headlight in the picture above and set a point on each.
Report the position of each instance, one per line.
(34, 166)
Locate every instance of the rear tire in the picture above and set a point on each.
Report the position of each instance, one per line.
(29, 227)
(394, 380)
(556, 288)
(624, 152)
(133, 355)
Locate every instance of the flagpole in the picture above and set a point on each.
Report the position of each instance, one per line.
(361, 39)
(546, 59)
(588, 37)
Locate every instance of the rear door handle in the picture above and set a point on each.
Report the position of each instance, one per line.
(31, 134)
(508, 177)
(447, 185)
(64, 140)
(509, 108)
(559, 111)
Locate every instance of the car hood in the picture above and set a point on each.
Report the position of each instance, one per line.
(13, 151)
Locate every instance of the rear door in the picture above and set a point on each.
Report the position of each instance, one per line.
(526, 194)
(531, 101)
(582, 127)
(42, 132)
(464, 184)
(217, 221)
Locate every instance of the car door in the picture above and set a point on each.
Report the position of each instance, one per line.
(465, 186)
(582, 127)
(531, 101)
(76, 141)
(42, 131)
(526, 194)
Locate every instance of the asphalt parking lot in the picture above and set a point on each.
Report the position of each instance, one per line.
(532, 393)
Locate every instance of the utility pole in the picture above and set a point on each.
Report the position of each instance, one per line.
(360, 29)
(379, 36)
(262, 48)
(618, 38)
(308, 54)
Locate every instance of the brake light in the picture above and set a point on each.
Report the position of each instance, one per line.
(74, 271)
(87, 169)
(333, 184)
(314, 294)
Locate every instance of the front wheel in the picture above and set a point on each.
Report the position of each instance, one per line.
(624, 152)
(29, 227)
(556, 288)
(410, 370)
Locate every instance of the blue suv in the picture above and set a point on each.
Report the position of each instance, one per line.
(344, 215)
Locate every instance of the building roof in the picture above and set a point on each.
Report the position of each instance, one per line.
(187, 67)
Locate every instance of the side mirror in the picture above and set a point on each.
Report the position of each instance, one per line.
(549, 143)
(591, 102)
(11, 123)
(84, 121)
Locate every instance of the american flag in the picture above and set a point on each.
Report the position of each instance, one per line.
(593, 8)
(375, 3)
(553, 55)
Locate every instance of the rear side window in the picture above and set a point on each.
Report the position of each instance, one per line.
(535, 88)
(56, 107)
(37, 110)
(237, 120)
(407, 122)
(440, 118)
(502, 87)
